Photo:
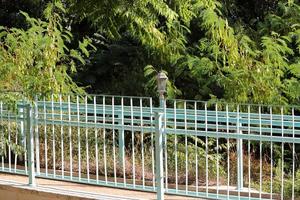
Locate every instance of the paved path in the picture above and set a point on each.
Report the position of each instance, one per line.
(15, 188)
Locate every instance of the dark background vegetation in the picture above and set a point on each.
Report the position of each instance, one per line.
(123, 50)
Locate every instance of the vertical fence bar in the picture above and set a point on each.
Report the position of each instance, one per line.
(70, 138)
(152, 146)
(78, 136)
(240, 164)
(228, 152)
(53, 136)
(260, 153)
(159, 156)
(87, 140)
(104, 140)
(186, 150)
(240, 154)
(30, 146)
(282, 156)
(142, 141)
(175, 145)
(96, 140)
(16, 142)
(217, 160)
(121, 142)
(37, 136)
(114, 140)
(62, 138)
(9, 143)
(206, 150)
(249, 156)
(132, 142)
(271, 174)
(165, 143)
(293, 155)
(45, 136)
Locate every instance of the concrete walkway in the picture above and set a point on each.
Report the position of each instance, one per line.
(15, 187)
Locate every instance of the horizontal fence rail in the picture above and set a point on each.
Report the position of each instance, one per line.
(191, 148)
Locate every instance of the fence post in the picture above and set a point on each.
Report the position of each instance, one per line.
(159, 173)
(240, 162)
(30, 145)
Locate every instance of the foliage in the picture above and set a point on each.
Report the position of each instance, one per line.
(6, 143)
(37, 60)
(288, 184)
(231, 50)
(154, 28)
(210, 49)
(245, 69)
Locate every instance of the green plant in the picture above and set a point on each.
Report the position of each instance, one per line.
(37, 60)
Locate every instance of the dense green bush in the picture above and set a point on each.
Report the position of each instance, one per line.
(36, 60)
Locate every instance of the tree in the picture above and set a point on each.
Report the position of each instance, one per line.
(216, 51)
(247, 69)
(229, 49)
(37, 61)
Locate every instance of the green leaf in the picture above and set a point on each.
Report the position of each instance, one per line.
(59, 5)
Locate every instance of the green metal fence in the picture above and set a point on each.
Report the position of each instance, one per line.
(192, 148)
